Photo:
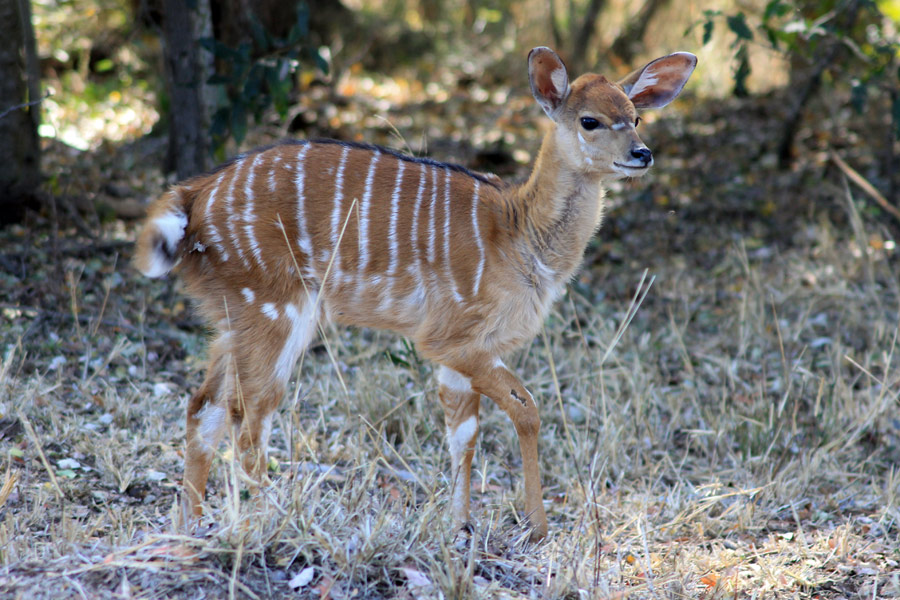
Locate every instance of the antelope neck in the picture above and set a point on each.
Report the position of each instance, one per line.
(562, 208)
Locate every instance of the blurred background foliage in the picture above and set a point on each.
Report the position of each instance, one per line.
(300, 68)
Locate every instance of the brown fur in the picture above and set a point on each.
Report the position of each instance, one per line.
(280, 237)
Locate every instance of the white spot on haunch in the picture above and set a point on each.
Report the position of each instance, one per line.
(249, 296)
(269, 310)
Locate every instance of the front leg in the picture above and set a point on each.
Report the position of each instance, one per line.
(460, 405)
(490, 377)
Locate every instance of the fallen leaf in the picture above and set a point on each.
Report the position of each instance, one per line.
(415, 578)
(303, 578)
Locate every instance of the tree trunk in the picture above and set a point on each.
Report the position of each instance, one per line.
(19, 112)
(188, 68)
(630, 41)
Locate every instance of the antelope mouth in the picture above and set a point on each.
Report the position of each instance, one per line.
(631, 168)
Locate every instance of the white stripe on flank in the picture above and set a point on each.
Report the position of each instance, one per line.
(231, 218)
(214, 236)
(250, 215)
(415, 266)
(395, 210)
(336, 214)
(273, 182)
(431, 229)
(365, 205)
(299, 184)
(270, 310)
(480, 270)
(449, 266)
(303, 325)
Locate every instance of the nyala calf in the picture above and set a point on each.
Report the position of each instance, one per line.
(463, 264)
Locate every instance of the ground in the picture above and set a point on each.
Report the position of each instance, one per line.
(718, 387)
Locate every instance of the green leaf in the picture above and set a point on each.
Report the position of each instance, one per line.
(104, 65)
(741, 72)
(707, 31)
(776, 8)
(738, 24)
(67, 473)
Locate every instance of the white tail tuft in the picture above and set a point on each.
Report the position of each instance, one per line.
(169, 231)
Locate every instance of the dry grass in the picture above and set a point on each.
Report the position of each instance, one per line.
(741, 440)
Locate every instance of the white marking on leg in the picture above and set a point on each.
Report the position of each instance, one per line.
(459, 441)
(454, 380)
(211, 426)
(365, 206)
(270, 310)
(460, 438)
(479, 271)
(336, 215)
(264, 434)
(249, 296)
(303, 325)
(448, 265)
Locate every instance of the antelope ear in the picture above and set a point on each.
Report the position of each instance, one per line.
(549, 79)
(658, 82)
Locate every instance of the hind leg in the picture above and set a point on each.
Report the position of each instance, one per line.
(206, 419)
(266, 352)
(460, 404)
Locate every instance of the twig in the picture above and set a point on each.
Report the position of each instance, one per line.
(37, 444)
(25, 104)
(854, 176)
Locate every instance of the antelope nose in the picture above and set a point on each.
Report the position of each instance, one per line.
(642, 154)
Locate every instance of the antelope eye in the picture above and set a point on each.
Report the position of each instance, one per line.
(589, 123)
(637, 121)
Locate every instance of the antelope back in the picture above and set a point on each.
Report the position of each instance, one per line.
(388, 237)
